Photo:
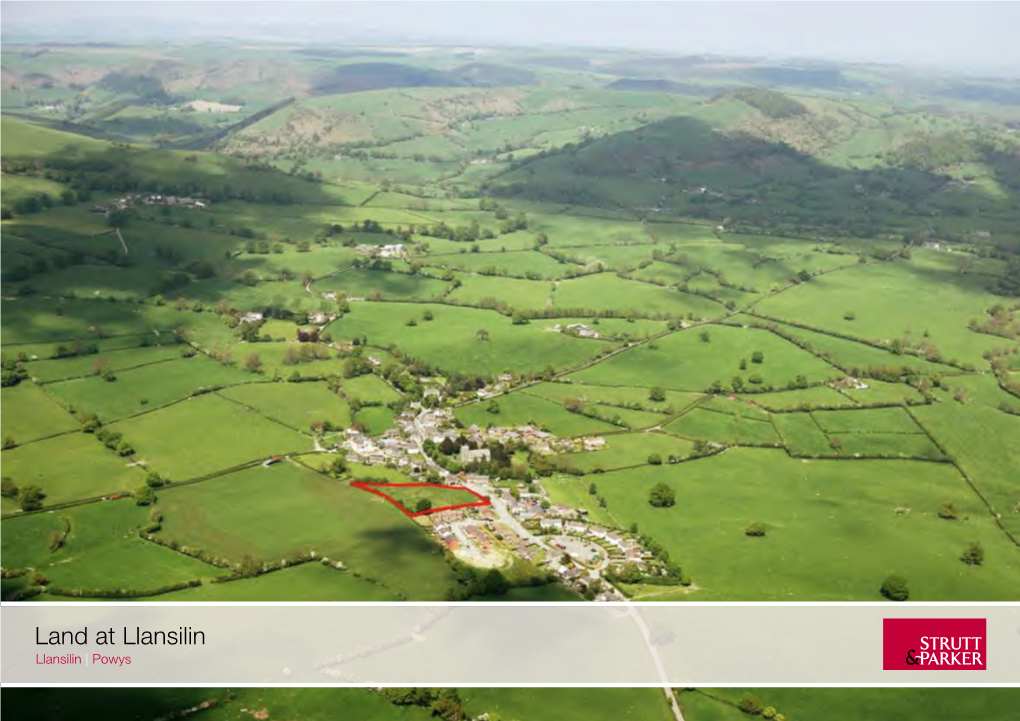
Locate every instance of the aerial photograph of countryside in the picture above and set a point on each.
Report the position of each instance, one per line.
(461, 304)
(508, 704)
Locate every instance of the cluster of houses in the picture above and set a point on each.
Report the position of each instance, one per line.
(579, 329)
(487, 530)
(627, 549)
(316, 318)
(851, 383)
(502, 384)
(149, 199)
(396, 250)
(537, 440)
(391, 448)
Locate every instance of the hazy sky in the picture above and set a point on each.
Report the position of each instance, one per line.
(964, 35)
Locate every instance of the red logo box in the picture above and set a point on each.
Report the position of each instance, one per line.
(934, 644)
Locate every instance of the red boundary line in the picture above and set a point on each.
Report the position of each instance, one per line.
(371, 488)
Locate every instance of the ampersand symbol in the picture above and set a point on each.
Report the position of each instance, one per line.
(911, 661)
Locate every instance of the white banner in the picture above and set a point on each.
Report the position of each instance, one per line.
(452, 644)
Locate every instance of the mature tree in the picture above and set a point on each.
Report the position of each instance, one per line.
(630, 573)
(750, 704)
(592, 489)
(8, 488)
(894, 587)
(755, 530)
(30, 498)
(337, 466)
(657, 394)
(973, 555)
(9, 442)
(90, 422)
(145, 497)
(423, 504)
(654, 459)
(249, 566)
(757, 357)
(704, 336)
(661, 496)
(493, 407)
(253, 363)
(482, 334)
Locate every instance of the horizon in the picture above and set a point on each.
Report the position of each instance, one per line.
(977, 33)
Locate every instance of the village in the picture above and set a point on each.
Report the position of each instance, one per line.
(521, 521)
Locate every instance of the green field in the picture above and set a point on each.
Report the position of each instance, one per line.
(299, 511)
(628, 449)
(818, 514)
(144, 389)
(451, 340)
(846, 704)
(570, 704)
(708, 425)
(50, 370)
(381, 285)
(519, 409)
(610, 292)
(220, 434)
(102, 550)
(683, 361)
(516, 293)
(320, 704)
(889, 302)
(297, 405)
(71, 467)
(31, 414)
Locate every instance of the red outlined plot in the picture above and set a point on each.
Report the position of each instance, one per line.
(373, 488)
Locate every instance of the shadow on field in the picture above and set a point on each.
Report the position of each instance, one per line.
(681, 166)
(100, 704)
(399, 544)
